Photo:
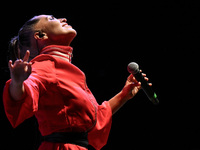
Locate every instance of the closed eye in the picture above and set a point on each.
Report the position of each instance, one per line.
(52, 18)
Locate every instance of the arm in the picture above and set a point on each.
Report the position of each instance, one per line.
(19, 72)
(130, 89)
(21, 93)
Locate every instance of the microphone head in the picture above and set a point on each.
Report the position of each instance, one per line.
(133, 68)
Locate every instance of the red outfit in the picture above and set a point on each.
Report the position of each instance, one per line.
(57, 94)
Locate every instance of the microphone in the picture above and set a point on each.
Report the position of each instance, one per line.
(133, 68)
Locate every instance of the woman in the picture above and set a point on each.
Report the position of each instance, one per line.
(55, 91)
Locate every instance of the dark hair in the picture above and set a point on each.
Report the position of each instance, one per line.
(23, 39)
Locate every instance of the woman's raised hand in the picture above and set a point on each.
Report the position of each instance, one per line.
(21, 69)
(132, 86)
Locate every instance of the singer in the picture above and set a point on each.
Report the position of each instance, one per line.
(46, 84)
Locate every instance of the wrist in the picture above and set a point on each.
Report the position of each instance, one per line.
(125, 95)
(15, 83)
(16, 90)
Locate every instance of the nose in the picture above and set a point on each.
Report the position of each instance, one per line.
(63, 20)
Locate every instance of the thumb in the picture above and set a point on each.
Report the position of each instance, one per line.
(10, 65)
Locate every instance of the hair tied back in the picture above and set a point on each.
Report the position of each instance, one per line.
(14, 48)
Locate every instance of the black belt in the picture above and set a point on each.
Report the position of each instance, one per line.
(68, 137)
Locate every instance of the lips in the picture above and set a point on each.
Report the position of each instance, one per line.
(65, 24)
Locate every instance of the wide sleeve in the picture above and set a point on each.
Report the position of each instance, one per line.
(18, 111)
(98, 136)
(35, 86)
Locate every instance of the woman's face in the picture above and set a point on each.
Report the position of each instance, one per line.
(55, 29)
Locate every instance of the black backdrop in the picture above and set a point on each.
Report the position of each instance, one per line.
(161, 36)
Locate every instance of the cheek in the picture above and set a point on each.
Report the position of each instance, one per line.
(63, 31)
(54, 28)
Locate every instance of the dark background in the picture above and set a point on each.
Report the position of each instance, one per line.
(161, 36)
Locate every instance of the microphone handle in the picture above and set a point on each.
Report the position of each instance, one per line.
(146, 88)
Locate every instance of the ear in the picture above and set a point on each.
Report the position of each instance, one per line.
(39, 35)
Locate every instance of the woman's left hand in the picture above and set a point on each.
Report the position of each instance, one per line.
(130, 89)
(132, 86)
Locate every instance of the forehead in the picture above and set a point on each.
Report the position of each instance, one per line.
(42, 17)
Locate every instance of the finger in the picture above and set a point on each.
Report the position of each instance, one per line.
(133, 84)
(18, 61)
(130, 77)
(150, 84)
(139, 85)
(133, 79)
(144, 74)
(26, 57)
(10, 65)
(29, 68)
(147, 79)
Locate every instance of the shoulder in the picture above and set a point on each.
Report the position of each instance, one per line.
(43, 63)
(43, 68)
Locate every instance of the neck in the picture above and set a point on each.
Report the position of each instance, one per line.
(62, 52)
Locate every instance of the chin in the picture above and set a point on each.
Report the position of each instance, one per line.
(71, 30)
(74, 32)
(70, 36)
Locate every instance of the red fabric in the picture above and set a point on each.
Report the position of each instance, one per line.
(57, 94)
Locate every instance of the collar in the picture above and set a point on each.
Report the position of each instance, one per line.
(63, 52)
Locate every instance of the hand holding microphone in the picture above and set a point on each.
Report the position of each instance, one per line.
(135, 81)
(133, 68)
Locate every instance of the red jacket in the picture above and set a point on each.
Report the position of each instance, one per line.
(57, 94)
